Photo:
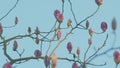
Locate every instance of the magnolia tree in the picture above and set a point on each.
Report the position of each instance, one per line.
(57, 35)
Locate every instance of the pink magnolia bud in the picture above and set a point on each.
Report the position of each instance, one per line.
(29, 30)
(78, 51)
(90, 41)
(15, 45)
(7, 65)
(104, 26)
(98, 2)
(116, 56)
(59, 34)
(114, 24)
(1, 29)
(37, 40)
(90, 32)
(37, 53)
(75, 65)
(56, 12)
(37, 31)
(60, 17)
(69, 47)
(69, 23)
(16, 20)
(87, 24)
(54, 60)
(46, 61)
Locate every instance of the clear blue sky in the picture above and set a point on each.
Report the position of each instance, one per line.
(40, 13)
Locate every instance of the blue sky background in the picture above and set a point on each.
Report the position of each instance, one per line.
(40, 13)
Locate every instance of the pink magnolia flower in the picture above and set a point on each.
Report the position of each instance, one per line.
(114, 24)
(56, 12)
(69, 23)
(98, 2)
(59, 34)
(37, 53)
(87, 24)
(37, 31)
(78, 51)
(69, 47)
(37, 40)
(75, 65)
(16, 20)
(90, 41)
(54, 60)
(90, 32)
(29, 30)
(1, 29)
(58, 16)
(104, 26)
(46, 61)
(116, 56)
(7, 65)
(15, 45)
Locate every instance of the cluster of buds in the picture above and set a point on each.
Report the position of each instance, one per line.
(58, 15)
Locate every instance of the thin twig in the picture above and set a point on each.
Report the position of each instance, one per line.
(96, 64)
(10, 10)
(98, 48)
(72, 11)
(105, 52)
(86, 53)
(89, 16)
